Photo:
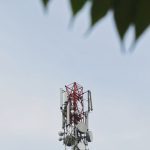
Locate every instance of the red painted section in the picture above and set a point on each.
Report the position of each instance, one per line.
(75, 98)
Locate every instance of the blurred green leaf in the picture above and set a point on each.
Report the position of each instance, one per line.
(77, 5)
(124, 14)
(142, 19)
(45, 2)
(99, 9)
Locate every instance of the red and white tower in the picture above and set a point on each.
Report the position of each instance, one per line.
(75, 105)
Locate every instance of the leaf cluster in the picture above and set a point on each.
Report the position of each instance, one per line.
(127, 13)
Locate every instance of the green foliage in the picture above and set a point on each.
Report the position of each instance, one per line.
(142, 18)
(99, 9)
(123, 15)
(77, 5)
(126, 13)
(131, 12)
(45, 2)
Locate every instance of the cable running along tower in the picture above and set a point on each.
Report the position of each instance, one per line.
(75, 105)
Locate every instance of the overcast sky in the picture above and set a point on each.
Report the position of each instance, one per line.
(41, 52)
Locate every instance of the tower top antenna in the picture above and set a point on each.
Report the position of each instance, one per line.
(75, 106)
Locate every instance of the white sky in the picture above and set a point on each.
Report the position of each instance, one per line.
(40, 52)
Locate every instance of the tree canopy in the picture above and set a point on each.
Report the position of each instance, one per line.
(126, 13)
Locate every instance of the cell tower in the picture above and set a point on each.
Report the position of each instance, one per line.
(75, 105)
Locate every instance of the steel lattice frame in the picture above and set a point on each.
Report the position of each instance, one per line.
(75, 98)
